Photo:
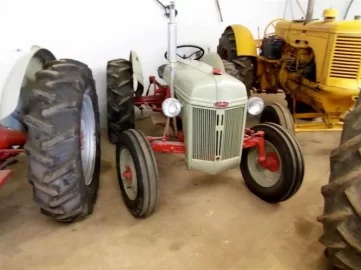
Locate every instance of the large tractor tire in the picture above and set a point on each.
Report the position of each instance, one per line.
(341, 218)
(63, 141)
(227, 50)
(120, 97)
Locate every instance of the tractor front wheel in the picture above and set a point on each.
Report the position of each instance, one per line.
(64, 140)
(278, 114)
(137, 173)
(283, 179)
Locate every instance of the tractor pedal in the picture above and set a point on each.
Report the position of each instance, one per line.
(158, 119)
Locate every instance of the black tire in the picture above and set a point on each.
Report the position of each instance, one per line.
(278, 114)
(292, 168)
(120, 97)
(230, 69)
(147, 197)
(53, 121)
(245, 65)
(341, 217)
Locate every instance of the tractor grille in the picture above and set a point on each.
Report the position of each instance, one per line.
(346, 57)
(216, 134)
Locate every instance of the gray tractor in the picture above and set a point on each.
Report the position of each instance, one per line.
(204, 112)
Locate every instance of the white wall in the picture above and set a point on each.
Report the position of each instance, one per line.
(97, 31)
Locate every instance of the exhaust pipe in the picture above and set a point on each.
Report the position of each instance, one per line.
(310, 7)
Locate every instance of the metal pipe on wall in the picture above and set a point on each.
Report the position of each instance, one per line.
(348, 9)
(310, 7)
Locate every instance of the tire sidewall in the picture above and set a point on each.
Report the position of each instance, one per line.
(135, 206)
(91, 190)
(270, 113)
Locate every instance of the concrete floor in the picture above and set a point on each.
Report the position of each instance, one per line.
(203, 222)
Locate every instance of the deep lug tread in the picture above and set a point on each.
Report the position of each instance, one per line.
(60, 171)
(243, 64)
(342, 204)
(46, 75)
(336, 216)
(38, 124)
(59, 109)
(60, 139)
(120, 97)
(341, 182)
(38, 155)
(53, 146)
(42, 94)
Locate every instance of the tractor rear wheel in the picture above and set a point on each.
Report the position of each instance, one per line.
(64, 140)
(283, 179)
(278, 114)
(137, 173)
(342, 205)
(120, 97)
(227, 50)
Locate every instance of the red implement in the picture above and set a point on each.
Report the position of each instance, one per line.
(4, 175)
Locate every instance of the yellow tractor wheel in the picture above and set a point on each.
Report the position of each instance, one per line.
(244, 64)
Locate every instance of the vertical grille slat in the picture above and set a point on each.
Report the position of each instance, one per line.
(203, 134)
(216, 133)
(233, 133)
(346, 57)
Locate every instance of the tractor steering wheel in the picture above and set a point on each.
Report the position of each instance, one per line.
(274, 27)
(199, 53)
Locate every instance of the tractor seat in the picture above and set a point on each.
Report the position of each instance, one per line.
(161, 71)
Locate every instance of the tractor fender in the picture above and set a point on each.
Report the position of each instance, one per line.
(17, 70)
(245, 43)
(214, 60)
(137, 68)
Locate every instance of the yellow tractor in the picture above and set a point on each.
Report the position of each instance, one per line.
(316, 63)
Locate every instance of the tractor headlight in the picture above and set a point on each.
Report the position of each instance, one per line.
(171, 107)
(255, 106)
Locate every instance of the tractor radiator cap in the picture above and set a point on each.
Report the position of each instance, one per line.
(330, 14)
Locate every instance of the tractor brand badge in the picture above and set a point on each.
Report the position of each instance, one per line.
(221, 104)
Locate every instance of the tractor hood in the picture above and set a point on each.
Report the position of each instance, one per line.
(325, 26)
(196, 84)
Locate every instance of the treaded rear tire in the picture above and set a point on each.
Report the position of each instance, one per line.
(53, 145)
(342, 205)
(244, 64)
(120, 97)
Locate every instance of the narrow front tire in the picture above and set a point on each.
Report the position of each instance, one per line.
(278, 114)
(284, 179)
(137, 173)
